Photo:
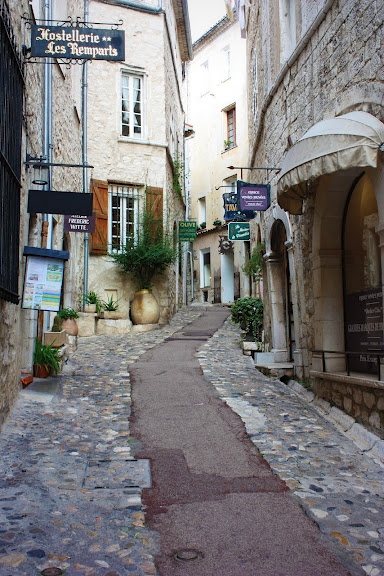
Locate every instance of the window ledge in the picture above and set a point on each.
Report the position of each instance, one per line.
(142, 142)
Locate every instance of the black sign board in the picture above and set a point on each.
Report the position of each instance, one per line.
(77, 43)
(232, 210)
(254, 197)
(52, 202)
(365, 329)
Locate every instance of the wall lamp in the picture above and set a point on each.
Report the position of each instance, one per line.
(41, 168)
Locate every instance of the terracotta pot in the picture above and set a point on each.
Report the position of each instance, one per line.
(70, 326)
(145, 308)
(40, 371)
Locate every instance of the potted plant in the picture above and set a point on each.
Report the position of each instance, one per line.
(109, 309)
(217, 222)
(92, 302)
(203, 225)
(248, 313)
(146, 256)
(46, 360)
(67, 318)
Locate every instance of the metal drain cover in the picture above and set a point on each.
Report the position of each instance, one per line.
(187, 555)
(51, 572)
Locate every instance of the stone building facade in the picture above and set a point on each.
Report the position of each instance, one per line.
(316, 114)
(216, 97)
(135, 141)
(41, 117)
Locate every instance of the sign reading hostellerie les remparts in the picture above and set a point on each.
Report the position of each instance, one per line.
(77, 43)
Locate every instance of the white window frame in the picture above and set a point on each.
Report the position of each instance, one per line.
(124, 194)
(226, 53)
(205, 80)
(132, 76)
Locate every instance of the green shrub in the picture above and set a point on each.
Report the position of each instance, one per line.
(248, 312)
(66, 313)
(254, 265)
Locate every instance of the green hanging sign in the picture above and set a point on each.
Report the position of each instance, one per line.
(187, 231)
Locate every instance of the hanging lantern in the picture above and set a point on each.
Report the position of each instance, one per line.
(40, 174)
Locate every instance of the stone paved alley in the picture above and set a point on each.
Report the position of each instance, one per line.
(70, 487)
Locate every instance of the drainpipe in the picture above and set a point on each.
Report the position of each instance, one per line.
(84, 105)
(47, 224)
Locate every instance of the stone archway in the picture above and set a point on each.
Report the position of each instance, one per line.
(281, 287)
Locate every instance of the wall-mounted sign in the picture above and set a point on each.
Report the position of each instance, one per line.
(77, 223)
(77, 43)
(43, 278)
(239, 231)
(52, 202)
(365, 329)
(254, 197)
(187, 231)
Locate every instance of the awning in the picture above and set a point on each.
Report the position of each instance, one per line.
(348, 141)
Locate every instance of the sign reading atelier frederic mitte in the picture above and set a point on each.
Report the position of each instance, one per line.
(253, 196)
(81, 43)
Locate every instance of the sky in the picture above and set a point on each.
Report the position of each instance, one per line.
(203, 14)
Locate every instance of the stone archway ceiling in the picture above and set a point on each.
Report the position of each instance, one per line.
(348, 141)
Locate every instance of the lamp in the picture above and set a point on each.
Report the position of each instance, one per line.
(40, 174)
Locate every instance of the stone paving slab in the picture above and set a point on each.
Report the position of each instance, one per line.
(70, 488)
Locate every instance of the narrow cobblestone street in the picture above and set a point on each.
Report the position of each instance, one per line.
(70, 486)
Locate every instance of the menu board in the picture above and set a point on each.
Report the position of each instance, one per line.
(43, 283)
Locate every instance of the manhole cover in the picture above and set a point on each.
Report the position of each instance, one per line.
(187, 555)
(52, 572)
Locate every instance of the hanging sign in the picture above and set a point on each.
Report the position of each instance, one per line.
(77, 43)
(239, 231)
(187, 231)
(232, 210)
(43, 278)
(77, 223)
(254, 197)
(53, 202)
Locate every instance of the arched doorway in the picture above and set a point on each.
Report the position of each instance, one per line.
(280, 292)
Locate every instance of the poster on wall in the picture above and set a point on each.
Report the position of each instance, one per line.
(43, 283)
(364, 333)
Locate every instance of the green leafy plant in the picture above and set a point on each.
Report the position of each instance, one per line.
(67, 313)
(254, 265)
(203, 225)
(217, 222)
(56, 326)
(227, 144)
(249, 313)
(46, 355)
(149, 254)
(178, 176)
(92, 298)
(110, 305)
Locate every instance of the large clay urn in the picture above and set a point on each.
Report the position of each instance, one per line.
(70, 326)
(145, 308)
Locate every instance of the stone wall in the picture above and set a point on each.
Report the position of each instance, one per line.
(19, 327)
(336, 66)
(363, 401)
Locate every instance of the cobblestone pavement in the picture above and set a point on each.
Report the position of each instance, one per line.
(70, 488)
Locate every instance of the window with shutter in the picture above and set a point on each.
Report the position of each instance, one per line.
(99, 239)
(154, 206)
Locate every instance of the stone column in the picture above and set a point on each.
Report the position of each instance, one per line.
(297, 352)
(276, 282)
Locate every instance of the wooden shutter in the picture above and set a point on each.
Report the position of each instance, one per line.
(99, 239)
(154, 206)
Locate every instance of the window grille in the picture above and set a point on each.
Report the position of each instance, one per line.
(11, 106)
(123, 219)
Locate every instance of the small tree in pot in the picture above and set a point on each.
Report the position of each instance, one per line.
(146, 256)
